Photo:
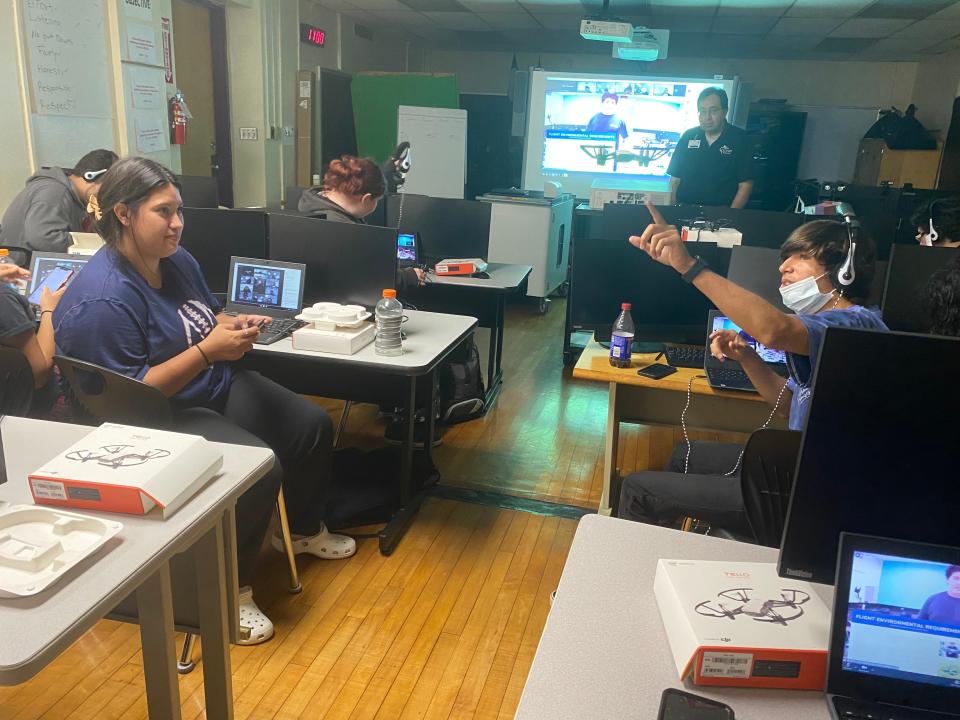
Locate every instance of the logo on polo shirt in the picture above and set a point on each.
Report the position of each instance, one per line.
(726, 150)
(694, 144)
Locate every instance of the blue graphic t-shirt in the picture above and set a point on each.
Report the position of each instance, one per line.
(801, 367)
(110, 316)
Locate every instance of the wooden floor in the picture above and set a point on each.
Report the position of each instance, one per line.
(444, 628)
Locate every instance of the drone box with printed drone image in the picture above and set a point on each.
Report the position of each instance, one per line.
(741, 625)
(120, 468)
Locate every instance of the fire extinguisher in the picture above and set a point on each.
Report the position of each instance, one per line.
(178, 119)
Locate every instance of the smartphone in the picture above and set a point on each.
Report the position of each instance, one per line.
(54, 280)
(680, 705)
(656, 372)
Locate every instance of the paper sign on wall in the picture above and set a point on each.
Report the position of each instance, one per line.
(151, 133)
(138, 9)
(167, 50)
(141, 43)
(146, 88)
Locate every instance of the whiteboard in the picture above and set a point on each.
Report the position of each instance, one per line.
(70, 83)
(831, 140)
(438, 150)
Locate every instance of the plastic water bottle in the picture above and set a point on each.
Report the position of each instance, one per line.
(389, 315)
(621, 338)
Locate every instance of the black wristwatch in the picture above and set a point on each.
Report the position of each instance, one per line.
(698, 267)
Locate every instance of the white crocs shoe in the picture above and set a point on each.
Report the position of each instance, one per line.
(324, 544)
(255, 627)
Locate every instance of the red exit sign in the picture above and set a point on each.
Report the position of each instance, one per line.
(312, 35)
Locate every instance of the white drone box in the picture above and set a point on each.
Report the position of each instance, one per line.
(723, 237)
(120, 468)
(740, 624)
(342, 340)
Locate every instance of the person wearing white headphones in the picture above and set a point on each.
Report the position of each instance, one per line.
(938, 222)
(53, 204)
(826, 269)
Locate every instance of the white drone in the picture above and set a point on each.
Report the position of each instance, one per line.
(733, 603)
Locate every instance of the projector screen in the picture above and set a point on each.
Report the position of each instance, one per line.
(586, 127)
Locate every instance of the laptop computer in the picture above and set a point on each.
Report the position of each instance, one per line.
(408, 250)
(895, 640)
(729, 375)
(43, 263)
(267, 287)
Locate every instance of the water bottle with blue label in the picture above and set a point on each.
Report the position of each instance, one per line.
(621, 338)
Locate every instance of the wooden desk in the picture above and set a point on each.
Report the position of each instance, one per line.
(482, 298)
(604, 655)
(634, 398)
(368, 377)
(36, 629)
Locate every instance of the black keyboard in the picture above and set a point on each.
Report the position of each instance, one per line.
(686, 356)
(277, 330)
(847, 709)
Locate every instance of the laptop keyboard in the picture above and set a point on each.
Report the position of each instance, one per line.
(729, 377)
(686, 356)
(847, 709)
(277, 330)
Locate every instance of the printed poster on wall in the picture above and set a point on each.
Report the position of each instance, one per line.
(138, 9)
(141, 43)
(146, 88)
(150, 132)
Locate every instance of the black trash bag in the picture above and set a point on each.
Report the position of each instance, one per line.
(902, 131)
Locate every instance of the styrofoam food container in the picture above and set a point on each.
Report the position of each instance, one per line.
(39, 545)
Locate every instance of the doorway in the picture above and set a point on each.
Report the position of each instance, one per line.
(199, 36)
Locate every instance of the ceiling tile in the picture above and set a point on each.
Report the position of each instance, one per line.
(893, 48)
(674, 23)
(946, 46)
(458, 20)
(743, 24)
(338, 5)
(909, 9)
(554, 21)
(434, 5)
(846, 46)
(684, 7)
(930, 30)
(752, 8)
(805, 26)
(510, 21)
(482, 6)
(556, 6)
(868, 28)
(951, 12)
(392, 5)
(404, 18)
(827, 8)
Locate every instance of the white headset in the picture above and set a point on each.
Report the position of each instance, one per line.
(91, 175)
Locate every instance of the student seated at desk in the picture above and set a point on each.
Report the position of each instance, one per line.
(941, 300)
(351, 189)
(938, 222)
(812, 258)
(54, 203)
(18, 330)
(142, 308)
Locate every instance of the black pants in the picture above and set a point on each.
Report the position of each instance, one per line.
(261, 413)
(705, 492)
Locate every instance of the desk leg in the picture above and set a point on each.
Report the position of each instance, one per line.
(409, 502)
(611, 444)
(155, 608)
(495, 354)
(212, 603)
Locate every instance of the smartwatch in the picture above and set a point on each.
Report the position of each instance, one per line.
(698, 267)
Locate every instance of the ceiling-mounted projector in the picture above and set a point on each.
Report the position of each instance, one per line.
(606, 28)
(645, 45)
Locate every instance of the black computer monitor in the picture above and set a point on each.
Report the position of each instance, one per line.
(608, 271)
(214, 235)
(346, 263)
(198, 191)
(911, 267)
(448, 228)
(878, 455)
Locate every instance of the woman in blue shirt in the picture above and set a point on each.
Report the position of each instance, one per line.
(812, 259)
(142, 308)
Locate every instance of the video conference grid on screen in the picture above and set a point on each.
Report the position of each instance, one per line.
(903, 619)
(615, 127)
(266, 286)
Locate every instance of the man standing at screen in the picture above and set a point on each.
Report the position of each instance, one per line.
(712, 164)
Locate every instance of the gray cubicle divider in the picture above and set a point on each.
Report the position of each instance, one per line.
(908, 274)
(198, 191)
(214, 235)
(448, 228)
(346, 263)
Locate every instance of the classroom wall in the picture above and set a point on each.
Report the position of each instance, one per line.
(17, 164)
(937, 86)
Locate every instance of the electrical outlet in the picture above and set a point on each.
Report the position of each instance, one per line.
(248, 133)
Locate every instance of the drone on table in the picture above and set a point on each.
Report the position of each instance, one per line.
(737, 602)
(117, 456)
(701, 223)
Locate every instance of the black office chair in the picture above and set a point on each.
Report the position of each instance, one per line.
(16, 383)
(20, 255)
(766, 480)
(97, 394)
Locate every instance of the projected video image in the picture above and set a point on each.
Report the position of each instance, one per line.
(903, 619)
(615, 127)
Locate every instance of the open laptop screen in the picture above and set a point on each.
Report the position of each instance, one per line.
(266, 285)
(42, 264)
(769, 355)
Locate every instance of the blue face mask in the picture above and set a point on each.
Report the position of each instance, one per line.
(804, 296)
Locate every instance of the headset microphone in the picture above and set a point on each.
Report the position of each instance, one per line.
(91, 175)
(847, 273)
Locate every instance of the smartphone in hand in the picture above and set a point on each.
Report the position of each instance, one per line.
(55, 279)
